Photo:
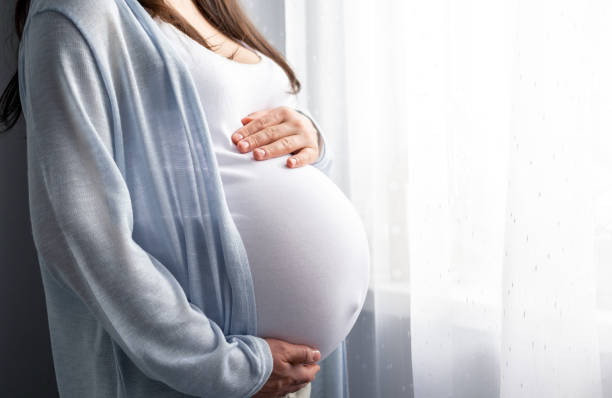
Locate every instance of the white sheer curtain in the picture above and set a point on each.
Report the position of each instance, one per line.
(475, 139)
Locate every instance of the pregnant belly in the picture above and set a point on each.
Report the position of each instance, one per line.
(307, 249)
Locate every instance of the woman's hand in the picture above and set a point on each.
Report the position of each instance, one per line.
(278, 131)
(294, 367)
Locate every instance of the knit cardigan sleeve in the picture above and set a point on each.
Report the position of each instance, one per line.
(82, 225)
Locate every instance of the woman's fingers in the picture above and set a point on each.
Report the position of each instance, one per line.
(265, 136)
(305, 373)
(305, 156)
(294, 366)
(253, 115)
(282, 146)
(278, 131)
(259, 121)
(298, 354)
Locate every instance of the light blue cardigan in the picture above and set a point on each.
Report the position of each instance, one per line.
(147, 283)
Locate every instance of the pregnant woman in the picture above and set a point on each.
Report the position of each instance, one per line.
(188, 244)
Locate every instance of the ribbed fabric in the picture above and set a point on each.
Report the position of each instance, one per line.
(147, 284)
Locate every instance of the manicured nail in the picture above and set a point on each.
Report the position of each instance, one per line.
(243, 145)
(292, 162)
(260, 152)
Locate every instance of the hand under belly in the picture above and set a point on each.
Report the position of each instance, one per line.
(307, 249)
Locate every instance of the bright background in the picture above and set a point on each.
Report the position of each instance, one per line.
(474, 138)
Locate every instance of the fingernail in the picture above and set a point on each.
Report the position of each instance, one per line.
(243, 145)
(292, 161)
(260, 152)
(238, 136)
(316, 355)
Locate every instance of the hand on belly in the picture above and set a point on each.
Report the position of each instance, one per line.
(278, 131)
(307, 249)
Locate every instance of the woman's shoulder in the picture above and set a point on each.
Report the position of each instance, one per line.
(75, 8)
(60, 37)
(89, 16)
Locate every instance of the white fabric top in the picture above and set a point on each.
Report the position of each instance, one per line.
(306, 244)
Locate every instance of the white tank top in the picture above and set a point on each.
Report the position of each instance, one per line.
(306, 244)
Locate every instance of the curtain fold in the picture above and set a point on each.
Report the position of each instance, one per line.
(474, 139)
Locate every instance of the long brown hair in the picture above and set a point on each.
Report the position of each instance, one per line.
(227, 16)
